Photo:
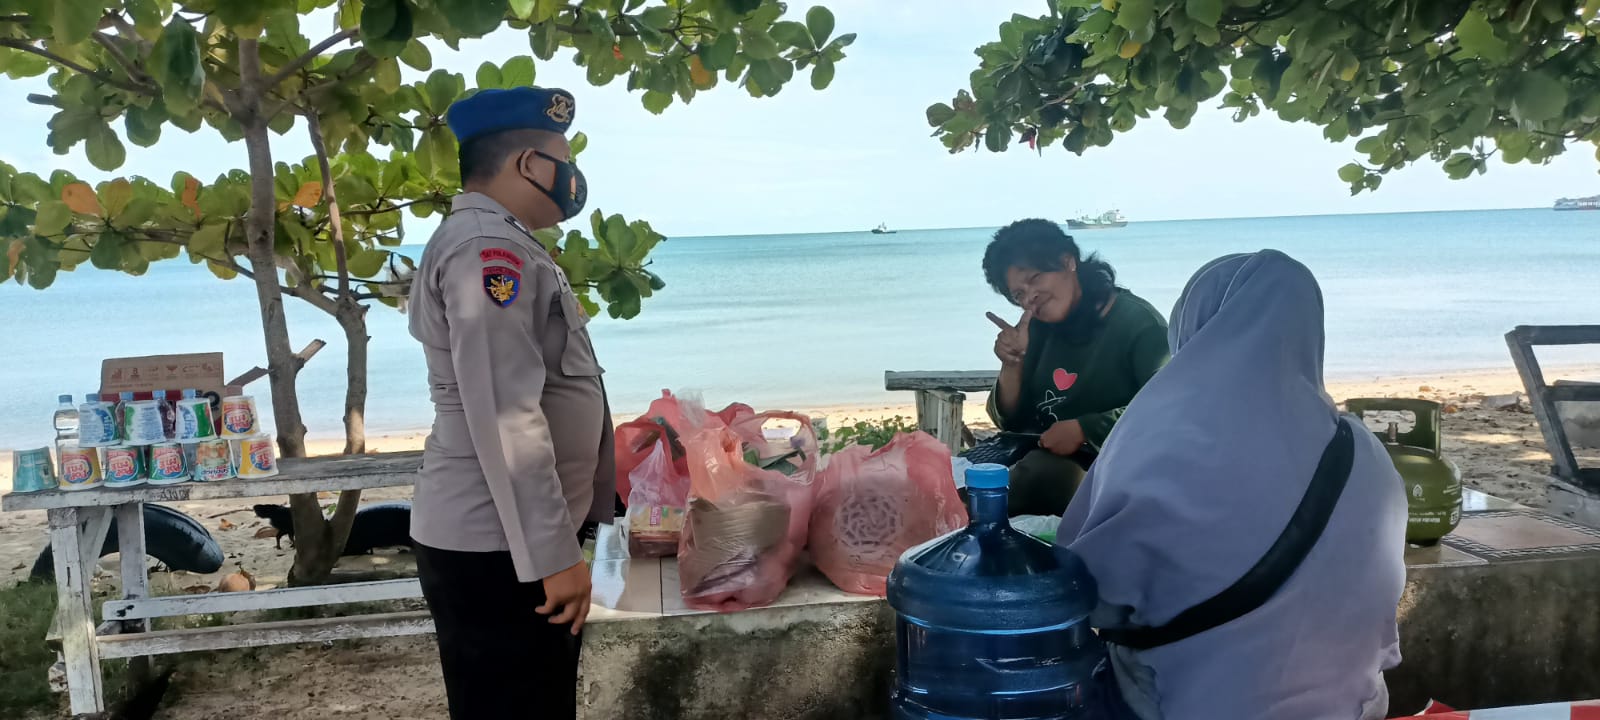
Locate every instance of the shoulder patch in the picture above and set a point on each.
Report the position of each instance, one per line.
(501, 284)
(503, 255)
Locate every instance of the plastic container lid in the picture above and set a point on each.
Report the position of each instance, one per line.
(158, 395)
(188, 394)
(92, 398)
(988, 476)
(65, 399)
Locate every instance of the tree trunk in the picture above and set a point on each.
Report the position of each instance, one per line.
(263, 260)
(353, 318)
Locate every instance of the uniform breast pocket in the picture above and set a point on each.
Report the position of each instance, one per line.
(577, 359)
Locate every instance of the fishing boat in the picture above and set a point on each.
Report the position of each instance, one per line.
(1103, 221)
(882, 229)
(1584, 203)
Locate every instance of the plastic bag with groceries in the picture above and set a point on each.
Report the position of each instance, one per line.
(748, 511)
(653, 471)
(873, 505)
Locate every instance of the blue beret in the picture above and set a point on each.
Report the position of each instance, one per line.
(522, 108)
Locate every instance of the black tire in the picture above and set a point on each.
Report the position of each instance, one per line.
(177, 540)
(379, 525)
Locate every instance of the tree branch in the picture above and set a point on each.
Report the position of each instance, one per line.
(295, 65)
(100, 75)
(133, 71)
(393, 208)
(336, 227)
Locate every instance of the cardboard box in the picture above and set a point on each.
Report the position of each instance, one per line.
(142, 376)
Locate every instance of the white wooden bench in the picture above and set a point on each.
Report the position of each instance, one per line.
(80, 520)
(940, 396)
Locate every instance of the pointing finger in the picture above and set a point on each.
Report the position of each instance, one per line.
(1003, 325)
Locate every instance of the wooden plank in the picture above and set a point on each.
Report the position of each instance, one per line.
(962, 380)
(93, 526)
(319, 630)
(939, 413)
(296, 475)
(1557, 334)
(131, 548)
(75, 615)
(1574, 392)
(178, 605)
(1544, 410)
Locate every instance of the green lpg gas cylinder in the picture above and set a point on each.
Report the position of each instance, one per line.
(1433, 484)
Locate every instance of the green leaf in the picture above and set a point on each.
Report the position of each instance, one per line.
(518, 72)
(1460, 165)
(240, 13)
(522, 9)
(107, 252)
(441, 89)
(221, 271)
(474, 18)
(1540, 97)
(819, 21)
(175, 64)
(1478, 39)
(387, 27)
(436, 151)
(793, 34)
(758, 45)
(579, 142)
(139, 212)
(939, 114)
(489, 76)
(660, 17)
(53, 217)
(387, 75)
(822, 75)
(74, 22)
(367, 263)
(1352, 173)
(997, 137)
(657, 102)
(210, 240)
(416, 56)
(105, 149)
(143, 125)
(1205, 12)
(770, 75)
(720, 53)
(115, 196)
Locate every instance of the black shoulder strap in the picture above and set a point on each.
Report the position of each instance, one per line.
(1274, 568)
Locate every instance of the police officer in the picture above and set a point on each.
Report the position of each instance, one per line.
(521, 449)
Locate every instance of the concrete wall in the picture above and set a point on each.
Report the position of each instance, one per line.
(807, 662)
(1505, 633)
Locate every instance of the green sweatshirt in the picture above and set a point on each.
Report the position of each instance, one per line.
(1091, 377)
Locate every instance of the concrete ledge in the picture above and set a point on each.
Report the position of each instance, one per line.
(1504, 612)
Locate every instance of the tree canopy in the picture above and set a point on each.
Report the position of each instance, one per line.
(1455, 81)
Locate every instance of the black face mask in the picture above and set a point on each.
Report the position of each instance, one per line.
(570, 190)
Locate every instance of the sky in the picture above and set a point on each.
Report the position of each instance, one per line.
(860, 153)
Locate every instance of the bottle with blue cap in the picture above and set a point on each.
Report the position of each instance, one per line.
(993, 623)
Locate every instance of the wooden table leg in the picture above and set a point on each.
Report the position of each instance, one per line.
(135, 573)
(74, 610)
(939, 413)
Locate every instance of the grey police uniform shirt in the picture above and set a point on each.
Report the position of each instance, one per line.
(521, 450)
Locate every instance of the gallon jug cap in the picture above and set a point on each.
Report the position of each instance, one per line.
(988, 476)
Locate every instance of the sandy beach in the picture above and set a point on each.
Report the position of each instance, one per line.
(1499, 451)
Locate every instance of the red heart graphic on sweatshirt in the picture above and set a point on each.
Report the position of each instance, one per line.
(1064, 379)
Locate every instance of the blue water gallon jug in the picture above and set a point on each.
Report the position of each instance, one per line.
(992, 623)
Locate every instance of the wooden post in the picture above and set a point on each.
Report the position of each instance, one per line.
(939, 413)
(135, 575)
(1521, 342)
(74, 611)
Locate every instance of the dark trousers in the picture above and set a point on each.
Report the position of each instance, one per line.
(501, 660)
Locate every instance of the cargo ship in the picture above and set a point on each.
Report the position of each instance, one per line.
(1104, 221)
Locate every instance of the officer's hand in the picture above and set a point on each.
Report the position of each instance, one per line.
(568, 592)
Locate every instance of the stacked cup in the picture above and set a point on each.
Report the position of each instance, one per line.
(252, 451)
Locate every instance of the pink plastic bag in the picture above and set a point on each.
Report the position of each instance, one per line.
(749, 507)
(669, 416)
(871, 506)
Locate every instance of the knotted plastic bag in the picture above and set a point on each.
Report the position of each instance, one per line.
(749, 507)
(871, 506)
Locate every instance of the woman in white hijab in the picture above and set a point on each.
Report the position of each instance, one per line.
(1200, 479)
